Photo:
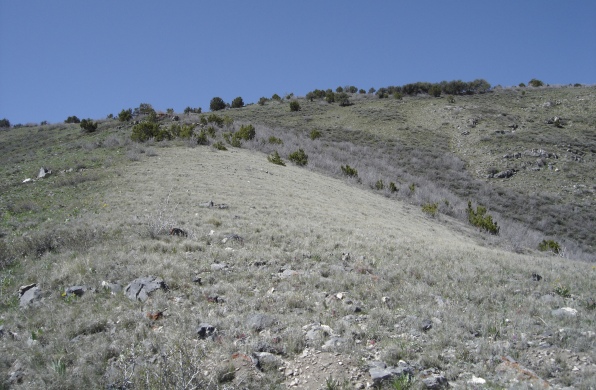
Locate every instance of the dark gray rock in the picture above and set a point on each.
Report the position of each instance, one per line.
(268, 359)
(379, 371)
(76, 290)
(433, 380)
(426, 325)
(205, 330)
(139, 289)
(258, 322)
(29, 294)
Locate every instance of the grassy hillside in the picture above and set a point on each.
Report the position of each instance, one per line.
(313, 275)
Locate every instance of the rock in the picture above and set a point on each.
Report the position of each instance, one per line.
(380, 372)
(503, 174)
(433, 380)
(536, 277)
(426, 325)
(334, 343)
(476, 381)
(76, 290)
(512, 372)
(317, 332)
(346, 256)
(258, 322)
(113, 287)
(139, 289)
(218, 267)
(564, 312)
(43, 172)
(16, 373)
(288, 273)
(29, 294)
(205, 330)
(268, 359)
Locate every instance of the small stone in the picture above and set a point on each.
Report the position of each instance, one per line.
(76, 290)
(205, 330)
(218, 267)
(476, 381)
(426, 325)
(564, 312)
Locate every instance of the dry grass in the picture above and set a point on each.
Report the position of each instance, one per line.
(404, 267)
(279, 249)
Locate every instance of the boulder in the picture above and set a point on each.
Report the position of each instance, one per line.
(139, 289)
(258, 322)
(29, 294)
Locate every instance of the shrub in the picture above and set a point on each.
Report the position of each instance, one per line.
(392, 187)
(217, 104)
(125, 115)
(299, 157)
(295, 106)
(88, 125)
(339, 89)
(262, 101)
(379, 185)
(549, 245)
(202, 138)
(276, 97)
(189, 110)
(275, 141)
(238, 102)
(480, 219)
(562, 291)
(144, 131)
(430, 209)
(329, 96)
(275, 159)
(349, 171)
(522, 85)
(535, 83)
(314, 134)
(412, 187)
(144, 109)
(372, 90)
(435, 90)
(213, 118)
(343, 99)
(398, 95)
(451, 99)
(4, 123)
(246, 132)
(72, 119)
(186, 131)
(362, 91)
(219, 146)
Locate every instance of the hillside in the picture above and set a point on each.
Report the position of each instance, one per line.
(299, 276)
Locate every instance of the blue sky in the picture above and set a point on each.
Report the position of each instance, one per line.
(93, 58)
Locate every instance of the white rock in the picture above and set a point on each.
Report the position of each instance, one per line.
(476, 381)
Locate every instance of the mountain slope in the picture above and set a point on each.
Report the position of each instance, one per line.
(269, 272)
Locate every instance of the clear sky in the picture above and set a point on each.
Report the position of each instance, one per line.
(93, 58)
